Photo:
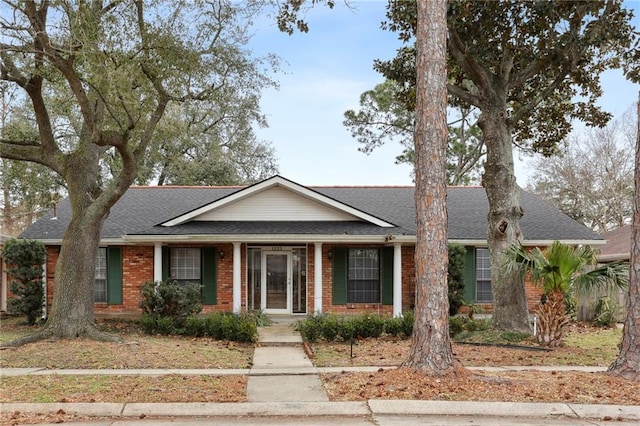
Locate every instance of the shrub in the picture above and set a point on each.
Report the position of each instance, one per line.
(347, 329)
(154, 324)
(457, 325)
(393, 326)
(25, 259)
(169, 299)
(195, 327)
(223, 326)
(407, 323)
(242, 329)
(330, 328)
(310, 328)
(605, 311)
(455, 277)
(367, 325)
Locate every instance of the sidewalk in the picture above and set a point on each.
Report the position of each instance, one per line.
(284, 382)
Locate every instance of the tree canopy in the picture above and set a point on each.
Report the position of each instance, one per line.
(591, 178)
(100, 78)
(199, 132)
(384, 117)
(531, 68)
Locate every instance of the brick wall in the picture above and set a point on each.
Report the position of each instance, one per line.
(138, 269)
(225, 279)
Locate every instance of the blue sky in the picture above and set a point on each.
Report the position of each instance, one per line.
(323, 74)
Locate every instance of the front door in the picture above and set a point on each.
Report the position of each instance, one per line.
(276, 282)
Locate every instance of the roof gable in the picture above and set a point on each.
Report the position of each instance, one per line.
(278, 200)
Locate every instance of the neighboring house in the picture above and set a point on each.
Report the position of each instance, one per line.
(617, 247)
(287, 248)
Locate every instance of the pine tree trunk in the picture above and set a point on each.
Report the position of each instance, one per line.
(627, 364)
(431, 351)
(509, 300)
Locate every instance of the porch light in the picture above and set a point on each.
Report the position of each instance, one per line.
(330, 254)
(221, 254)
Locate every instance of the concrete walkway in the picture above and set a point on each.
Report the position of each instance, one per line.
(281, 371)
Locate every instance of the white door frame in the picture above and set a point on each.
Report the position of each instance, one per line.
(263, 286)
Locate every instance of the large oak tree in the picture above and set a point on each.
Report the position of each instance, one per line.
(100, 76)
(523, 65)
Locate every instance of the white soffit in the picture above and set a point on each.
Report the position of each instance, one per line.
(276, 199)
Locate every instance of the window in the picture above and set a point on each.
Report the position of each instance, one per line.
(484, 294)
(185, 265)
(363, 281)
(100, 288)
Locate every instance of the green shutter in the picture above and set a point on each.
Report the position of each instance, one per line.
(114, 275)
(165, 263)
(339, 286)
(209, 276)
(386, 274)
(470, 275)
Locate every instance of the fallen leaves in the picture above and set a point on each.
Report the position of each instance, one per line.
(123, 389)
(529, 386)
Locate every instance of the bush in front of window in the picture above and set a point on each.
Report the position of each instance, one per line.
(368, 325)
(332, 327)
(168, 299)
(24, 259)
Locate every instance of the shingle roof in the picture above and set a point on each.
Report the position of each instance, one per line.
(142, 209)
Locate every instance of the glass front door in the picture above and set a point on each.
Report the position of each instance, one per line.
(276, 282)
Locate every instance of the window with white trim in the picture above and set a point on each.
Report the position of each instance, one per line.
(363, 276)
(185, 265)
(484, 293)
(100, 286)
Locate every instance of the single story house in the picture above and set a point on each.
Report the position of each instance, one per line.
(286, 248)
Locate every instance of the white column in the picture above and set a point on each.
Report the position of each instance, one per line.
(237, 276)
(317, 279)
(157, 262)
(397, 280)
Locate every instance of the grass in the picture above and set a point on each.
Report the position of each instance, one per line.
(171, 388)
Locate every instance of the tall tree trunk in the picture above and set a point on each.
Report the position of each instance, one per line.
(509, 299)
(71, 315)
(431, 347)
(627, 364)
(71, 312)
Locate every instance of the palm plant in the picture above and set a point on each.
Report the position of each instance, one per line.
(562, 270)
